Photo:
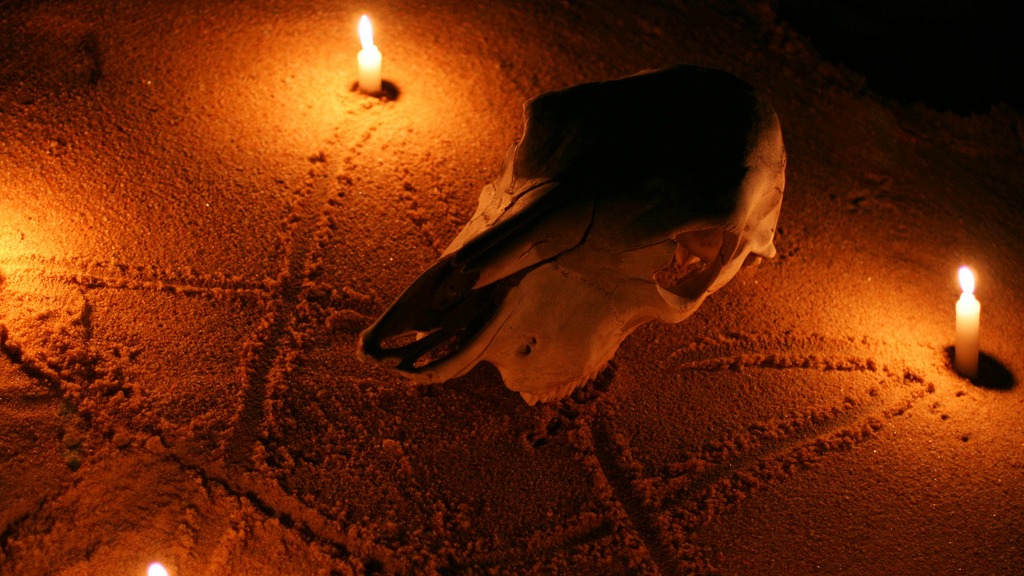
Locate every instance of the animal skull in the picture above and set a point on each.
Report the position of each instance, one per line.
(624, 202)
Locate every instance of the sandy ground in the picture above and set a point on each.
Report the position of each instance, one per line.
(198, 216)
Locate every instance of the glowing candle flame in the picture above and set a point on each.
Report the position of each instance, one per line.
(365, 32)
(156, 569)
(966, 280)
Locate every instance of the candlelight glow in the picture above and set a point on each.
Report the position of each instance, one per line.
(365, 32)
(156, 569)
(966, 280)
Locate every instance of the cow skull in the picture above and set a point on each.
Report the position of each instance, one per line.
(624, 202)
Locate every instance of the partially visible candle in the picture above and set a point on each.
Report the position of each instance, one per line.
(968, 316)
(156, 569)
(369, 59)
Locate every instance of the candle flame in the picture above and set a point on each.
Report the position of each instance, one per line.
(966, 280)
(365, 32)
(156, 569)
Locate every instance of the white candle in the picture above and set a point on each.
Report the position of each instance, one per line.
(968, 313)
(369, 59)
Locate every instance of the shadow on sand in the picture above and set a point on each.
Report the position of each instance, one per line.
(992, 374)
(388, 90)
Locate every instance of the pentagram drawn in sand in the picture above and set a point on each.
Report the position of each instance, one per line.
(654, 516)
(267, 460)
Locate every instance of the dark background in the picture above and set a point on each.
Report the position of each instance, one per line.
(958, 56)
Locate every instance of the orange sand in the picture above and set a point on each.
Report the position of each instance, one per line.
(198, 216)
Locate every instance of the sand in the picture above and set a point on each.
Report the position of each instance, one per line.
(198, 216)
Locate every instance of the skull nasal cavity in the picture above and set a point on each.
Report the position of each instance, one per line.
(527, 349)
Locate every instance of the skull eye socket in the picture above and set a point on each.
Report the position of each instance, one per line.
(699, 256)
(702, 244)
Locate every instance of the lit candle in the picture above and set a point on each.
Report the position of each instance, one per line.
(968, 313)
(156, 569)
(369, 59)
